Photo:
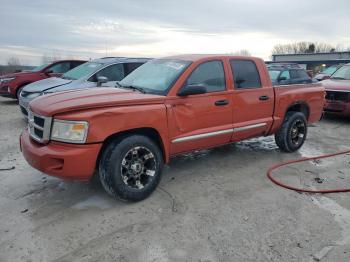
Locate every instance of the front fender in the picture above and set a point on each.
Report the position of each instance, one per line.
(104, 122)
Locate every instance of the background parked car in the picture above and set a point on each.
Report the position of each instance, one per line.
(287, 74)
(12, 84)
(327, 72)
(338, 91)
(91, 74)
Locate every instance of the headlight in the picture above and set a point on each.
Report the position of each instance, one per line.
(6, 79)
(33, 95)
(69, 131)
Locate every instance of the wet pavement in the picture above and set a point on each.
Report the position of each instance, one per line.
(212, 205)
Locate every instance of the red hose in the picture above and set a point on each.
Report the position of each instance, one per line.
(275, 167)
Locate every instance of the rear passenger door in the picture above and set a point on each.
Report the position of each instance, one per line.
(252, 101)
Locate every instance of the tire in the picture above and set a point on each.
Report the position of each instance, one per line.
(292, 134)
(129, 176)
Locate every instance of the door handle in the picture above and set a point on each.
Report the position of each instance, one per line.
(262, 98)
(221, 102)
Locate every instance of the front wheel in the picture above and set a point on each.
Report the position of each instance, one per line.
(130, 168)
(292, 134)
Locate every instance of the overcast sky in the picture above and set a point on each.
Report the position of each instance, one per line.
(91, 29)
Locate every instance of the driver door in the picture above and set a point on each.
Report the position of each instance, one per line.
(202, 120)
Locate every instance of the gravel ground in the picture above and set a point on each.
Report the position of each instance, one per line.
(214, 205)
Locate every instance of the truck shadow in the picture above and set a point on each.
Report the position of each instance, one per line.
(336, 119)
(8, 102)
(48, 196)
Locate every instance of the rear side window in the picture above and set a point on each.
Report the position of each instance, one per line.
(294, 74)
(210, 75)
(299, 73)
(303, 74)
(74, 64)
(112, 72)
(60, 68)
(285, 74)
(245, 74)
(129, 67)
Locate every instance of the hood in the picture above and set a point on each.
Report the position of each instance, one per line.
(46, 84)
(335, 84)
(18, 74)
(74, 100)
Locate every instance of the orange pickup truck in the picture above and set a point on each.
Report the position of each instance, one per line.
(165, 107)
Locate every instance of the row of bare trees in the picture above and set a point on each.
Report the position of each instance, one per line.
(306, 47)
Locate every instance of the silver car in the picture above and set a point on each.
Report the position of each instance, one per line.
(104, 71)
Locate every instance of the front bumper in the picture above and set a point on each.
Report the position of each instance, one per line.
(4, 92)
(67, 161)
(24, 105)
(338, 107)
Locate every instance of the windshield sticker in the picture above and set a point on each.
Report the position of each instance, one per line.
(92, 65)
(176, 66)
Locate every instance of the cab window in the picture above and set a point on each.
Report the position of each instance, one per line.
(245, 74)
(209, 75)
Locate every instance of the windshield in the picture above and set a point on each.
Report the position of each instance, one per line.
(274, 74)
(342, 73)
(329, 70)
(85, 69)
(156, 76)
(39, 68)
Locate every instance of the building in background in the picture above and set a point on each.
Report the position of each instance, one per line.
(313, 61)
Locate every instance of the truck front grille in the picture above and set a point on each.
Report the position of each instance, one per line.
(39, 127)
(338, 95)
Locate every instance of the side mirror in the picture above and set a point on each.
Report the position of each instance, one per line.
(188, 90)
(239, 81)
(48, 72)
(282, 78)
(101, 80)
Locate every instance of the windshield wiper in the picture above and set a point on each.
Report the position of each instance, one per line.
(67, 78)
(337, 77)
(140, 89)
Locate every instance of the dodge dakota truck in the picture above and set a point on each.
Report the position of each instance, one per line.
(165, 107)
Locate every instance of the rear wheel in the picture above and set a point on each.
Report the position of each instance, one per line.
(292, 134)
(130, 168)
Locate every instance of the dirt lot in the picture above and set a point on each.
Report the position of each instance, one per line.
(213, 205)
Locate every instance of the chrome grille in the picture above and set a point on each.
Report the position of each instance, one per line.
(39, 127)
(338, 95)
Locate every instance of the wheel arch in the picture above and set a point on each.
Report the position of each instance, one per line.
(21, 85)
(299, 106)
(149, 132)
